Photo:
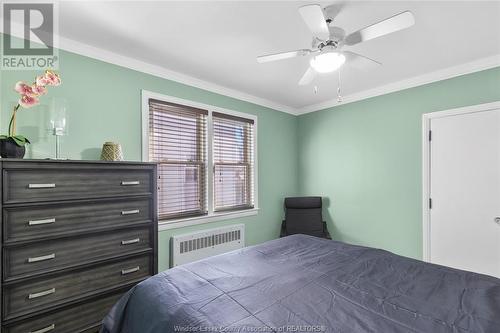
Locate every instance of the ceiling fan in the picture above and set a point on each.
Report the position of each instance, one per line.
(329, 40)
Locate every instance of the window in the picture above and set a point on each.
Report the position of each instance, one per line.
(233, 162)
(205, 156)
(177, 141)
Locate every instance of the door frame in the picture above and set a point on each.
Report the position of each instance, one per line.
(426, 166)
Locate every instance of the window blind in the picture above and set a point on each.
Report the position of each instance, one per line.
(233, 156)
(178, 142)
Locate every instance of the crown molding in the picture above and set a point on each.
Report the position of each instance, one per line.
(165, 73)
(90, 51)
(86, 50)
(439, 75)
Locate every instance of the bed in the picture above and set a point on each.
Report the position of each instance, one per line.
(306, 284)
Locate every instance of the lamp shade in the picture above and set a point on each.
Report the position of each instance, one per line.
(327, 62)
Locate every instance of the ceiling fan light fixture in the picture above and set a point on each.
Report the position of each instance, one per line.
(327, 62)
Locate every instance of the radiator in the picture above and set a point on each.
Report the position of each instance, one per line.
(201, 244)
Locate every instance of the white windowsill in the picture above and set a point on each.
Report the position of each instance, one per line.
(214, 217)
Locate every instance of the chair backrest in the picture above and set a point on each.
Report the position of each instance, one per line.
(303, 216)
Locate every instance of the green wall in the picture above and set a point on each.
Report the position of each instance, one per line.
(104, 104)
(365, 159)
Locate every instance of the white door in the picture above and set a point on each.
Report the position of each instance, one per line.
(465, 191)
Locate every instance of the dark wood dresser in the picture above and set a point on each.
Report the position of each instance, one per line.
(76, 235)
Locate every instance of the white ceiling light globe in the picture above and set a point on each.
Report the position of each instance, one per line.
(327, 62)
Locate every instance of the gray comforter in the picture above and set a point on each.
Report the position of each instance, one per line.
(306, 284)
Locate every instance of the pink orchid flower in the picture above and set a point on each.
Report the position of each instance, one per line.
(27, 101)
(24, 89)
(41, 81)
(38, 90)
(52, 78)
(30, 93)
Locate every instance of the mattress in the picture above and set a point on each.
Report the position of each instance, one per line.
(307, 284)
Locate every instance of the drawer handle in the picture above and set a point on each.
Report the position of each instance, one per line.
(130, 212)
(42, 293)
(130, 183)
(131, 241)
(130, 270)
(44, 221)
(41, 185)
(42, 258)
(44, 330)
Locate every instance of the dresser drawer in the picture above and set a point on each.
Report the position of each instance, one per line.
(76, 319)
(49, 184)
(26, 260)
(35, 222)
(27, 297)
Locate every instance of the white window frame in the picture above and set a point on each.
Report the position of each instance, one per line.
(211, 216)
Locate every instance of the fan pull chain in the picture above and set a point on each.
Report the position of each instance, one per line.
(339, 95)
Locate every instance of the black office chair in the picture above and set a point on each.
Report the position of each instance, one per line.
(303, 216)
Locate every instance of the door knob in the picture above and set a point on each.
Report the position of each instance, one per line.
(497, 220)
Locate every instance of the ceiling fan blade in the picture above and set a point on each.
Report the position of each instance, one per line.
(308, 76)
(333, 10)
(392, 24)
(282, 55)
(314, 17)
(359, 61)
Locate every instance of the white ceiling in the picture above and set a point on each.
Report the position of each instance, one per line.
(218, 41)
